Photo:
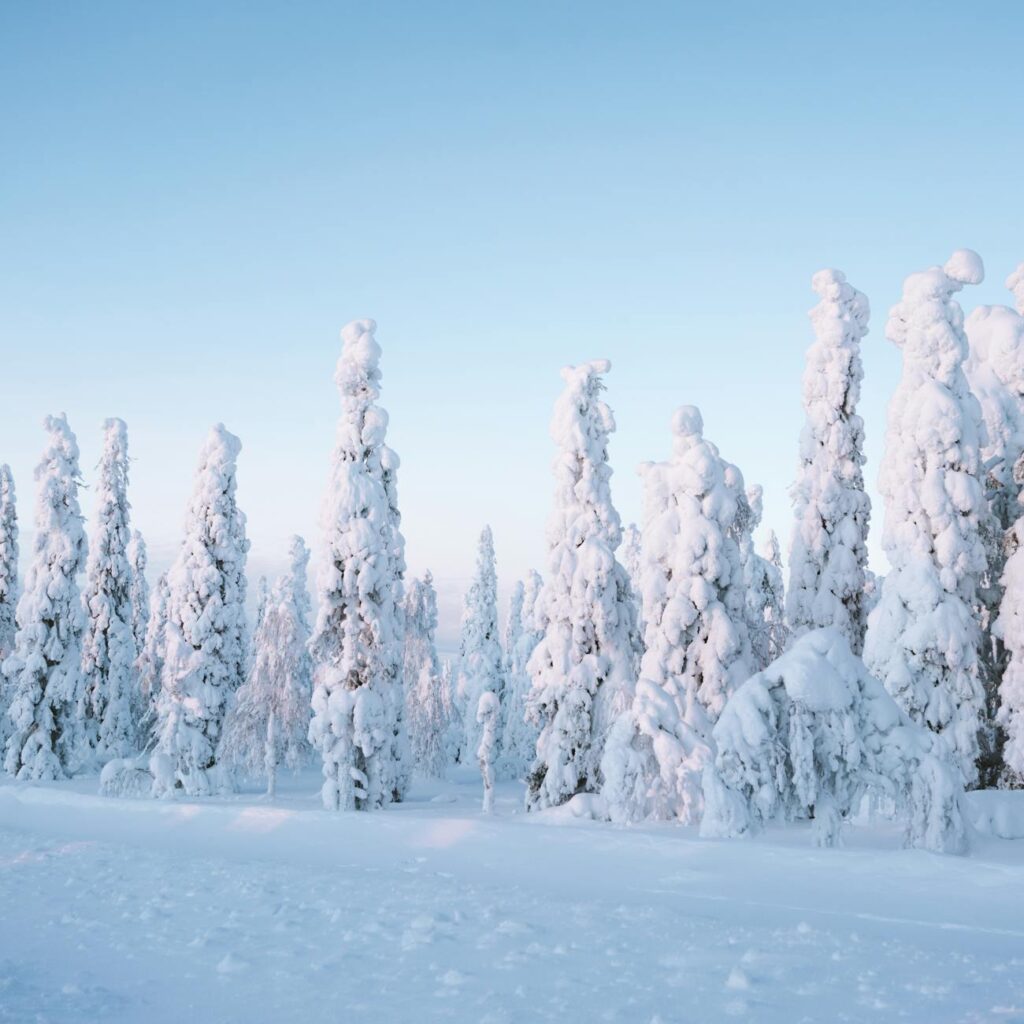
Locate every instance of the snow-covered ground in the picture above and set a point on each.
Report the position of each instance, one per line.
(241, 910)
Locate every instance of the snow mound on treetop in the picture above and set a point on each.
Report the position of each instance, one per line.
(965, 266)
(687, 421)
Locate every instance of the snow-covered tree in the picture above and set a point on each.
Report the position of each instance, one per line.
(697, 650)
(268, 724)
(630, 554)
(426, 711)
(137, 562)
(44, 674)
(488, 716)
(262, 597)
(150, 664)
(108, 644)
(774, 589)
(1009, 630)
(480, 657)
(8, 588)
(8, 569)
(205, 654)
(923, 637)
(995, 370)
(810, 736)
(523, 632)
(357, 644)
(828, 551)
(762, 583)
(583, 670)
(455, 736)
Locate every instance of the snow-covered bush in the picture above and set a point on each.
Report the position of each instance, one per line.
(814, 733)
(480, 658)
(108, 644)
(137, 562)
(357, 644)
(697, 651)
(205, 655)
(426, 712)
(828, 551)
(44, 673)
(268, 724)
(126, 777)
(923, 635)
(522, 634)
(149, 665)
(995, 370)
(583, 669)
(8, 588)
(488, 716)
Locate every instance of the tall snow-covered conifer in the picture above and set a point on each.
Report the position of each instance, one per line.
(268, 724)
(828, 551)
(522, 634)
(150, 664)
(584, 667)
(426, 708)
(205, 658)
(8, 588)
(137, 562)
(697, 649)
(480, 661)
(995, 370)
(1009, 629)
(44, 674)
(357, 644)
(108, 645)
(923, 637)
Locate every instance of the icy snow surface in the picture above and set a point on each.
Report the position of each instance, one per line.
(242, 910)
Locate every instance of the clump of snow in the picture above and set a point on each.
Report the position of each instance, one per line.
(810, 736)
(125, 777)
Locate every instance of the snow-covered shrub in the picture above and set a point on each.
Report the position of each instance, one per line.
(8, 588)
(357, 643)
(268, 724)
(137, 562)
(697, 651)
(923, 635)
(488, 716)
(522, 634)
(995, 370)
(149, 665)
(126, 777)
(44, 673)
(426, 712)
(480, 658)
(583, 669)
(205, 656)
(814, 733)
(828, 551)
(108, 644)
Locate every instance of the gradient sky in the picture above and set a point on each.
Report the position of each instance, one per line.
(195, 197)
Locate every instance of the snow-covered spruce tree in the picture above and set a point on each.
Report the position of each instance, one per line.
(108, 644)
(523, 632)
(426, 711)
(8, 567)
(357, 644)
(923, 637)
(814, 732)
(995, 370)
(697, 650)
(149, 665)
(205, 655)
(762, 584)
(828, 550)
(137, 562)
(262, 597)
(268, 724)
(480, 658)
(630, 554)
(583, 670)
(1009, 630)
(8, 588)
(455, 735)
(774, 588)
(488, 716)
(44, 674)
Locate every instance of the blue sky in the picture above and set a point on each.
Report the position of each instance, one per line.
(194, 198)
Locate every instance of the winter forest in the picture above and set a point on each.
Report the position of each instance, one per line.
(623, 626)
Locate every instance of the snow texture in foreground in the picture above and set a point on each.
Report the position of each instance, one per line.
(240, 911)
